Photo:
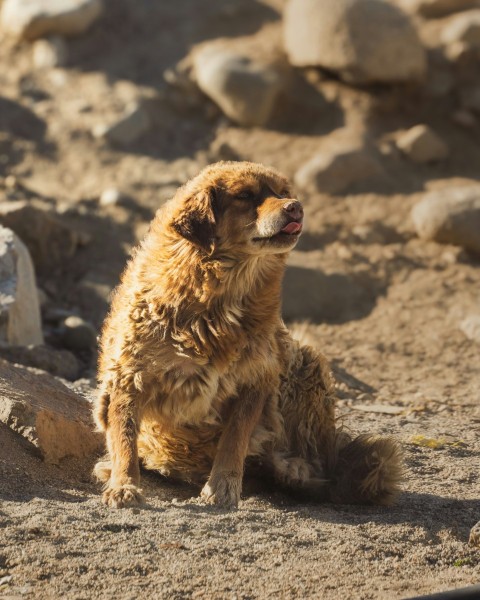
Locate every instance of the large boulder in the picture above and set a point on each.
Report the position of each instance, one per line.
(32, 19)
(450, 216)
(243, 89)
(362, 40)
(49, 415)
(338, 170)
(20, 321)
(49, 241)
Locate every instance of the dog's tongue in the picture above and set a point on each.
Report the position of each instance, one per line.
(292, 227)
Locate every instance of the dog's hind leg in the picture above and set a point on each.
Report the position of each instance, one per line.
(366, 470)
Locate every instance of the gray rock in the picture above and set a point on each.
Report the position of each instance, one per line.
(244, 90)
(45, 412)
(79, 334)
(337, 171)
(32, 19)
(60, 363)
(450, 216)
(464, 27)
(422, 145)
(471, 327)
(435, 8)
(362, 40)
(49, 241)
(127, 129)
(50, 53)
(20, 321)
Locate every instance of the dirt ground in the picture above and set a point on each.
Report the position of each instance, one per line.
(391, 306)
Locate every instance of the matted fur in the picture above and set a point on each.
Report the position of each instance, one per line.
(197, 370)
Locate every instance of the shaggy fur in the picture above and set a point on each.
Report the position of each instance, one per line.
(197, 370)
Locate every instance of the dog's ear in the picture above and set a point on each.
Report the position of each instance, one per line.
(196, 219)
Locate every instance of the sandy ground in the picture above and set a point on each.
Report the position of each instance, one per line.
(390, 312)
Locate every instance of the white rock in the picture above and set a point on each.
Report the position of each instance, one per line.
(333, 172)
(363, 40)
(110, 197)
(32, 19)
(471, 327)
(127, 129)
(464, 27)
(450, 216)
(20, 321)
(422, 145)
(435, 8)
(244, 90)
(49, 53)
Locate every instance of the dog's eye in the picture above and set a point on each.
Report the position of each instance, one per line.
(245, 195)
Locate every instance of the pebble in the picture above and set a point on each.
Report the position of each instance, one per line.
(471, 327)
(422, 145)
(79, 334)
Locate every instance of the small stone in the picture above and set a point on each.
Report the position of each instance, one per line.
(458, 52)
(244, 90)
(50, 416)
(79, 334)
(32, 19)
(464, 118)
(110, 197)
(20, 321)
(464, 27)
(422, 145)
(450, 216)
(337, 171)
(363, 41)
(11, 182)
(127, 129)
(471, 327)
(50, 53)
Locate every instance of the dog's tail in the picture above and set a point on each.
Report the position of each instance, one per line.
(365, 470)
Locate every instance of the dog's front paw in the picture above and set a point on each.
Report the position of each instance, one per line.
(223, 489)
(123, 496)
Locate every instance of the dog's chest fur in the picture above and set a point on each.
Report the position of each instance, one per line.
(197, 367)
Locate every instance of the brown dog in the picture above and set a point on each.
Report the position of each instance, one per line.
(197, 369)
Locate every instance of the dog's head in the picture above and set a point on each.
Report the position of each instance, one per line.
(238, 207)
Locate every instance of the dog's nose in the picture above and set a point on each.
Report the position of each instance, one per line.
(294, 209)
